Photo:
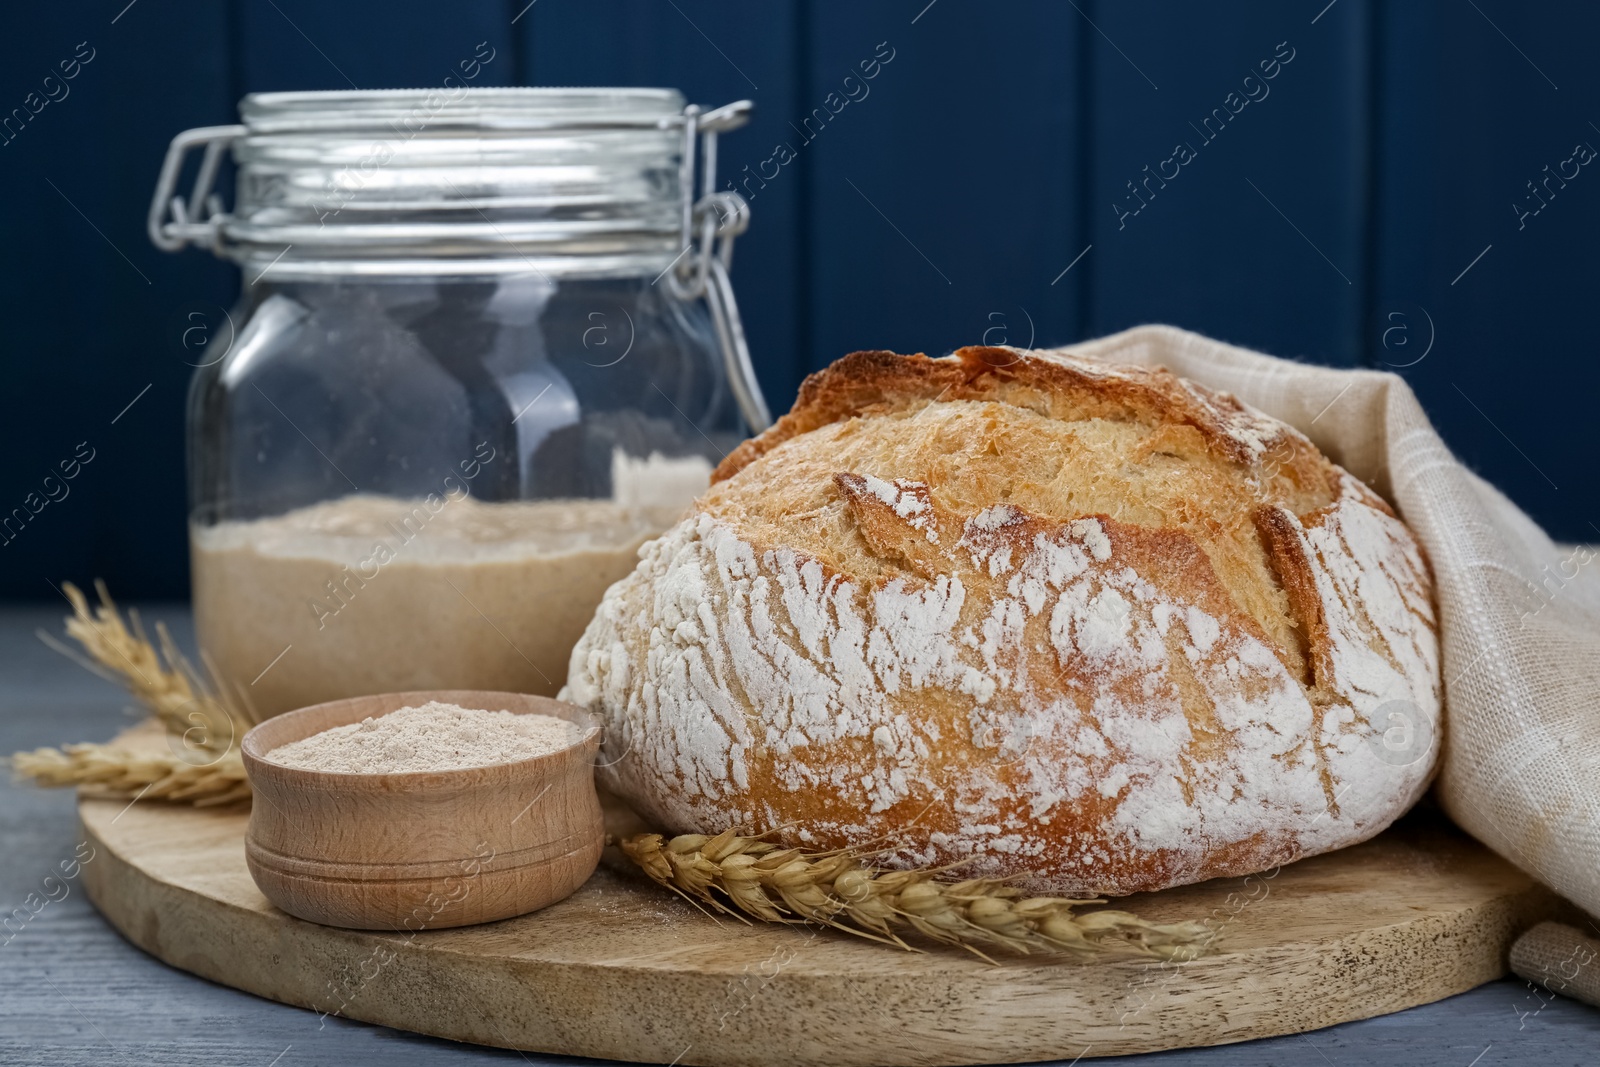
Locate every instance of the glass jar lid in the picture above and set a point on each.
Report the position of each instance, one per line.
(413, 181)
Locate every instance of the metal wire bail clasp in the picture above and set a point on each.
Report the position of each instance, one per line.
(196, 220)
(710, 224)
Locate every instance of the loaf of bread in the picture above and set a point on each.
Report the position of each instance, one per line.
(1090, 626)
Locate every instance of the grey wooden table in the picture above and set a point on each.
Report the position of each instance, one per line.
(72, 991)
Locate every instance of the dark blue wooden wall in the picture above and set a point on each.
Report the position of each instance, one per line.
(1345, 182)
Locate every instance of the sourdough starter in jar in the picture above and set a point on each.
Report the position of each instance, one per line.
(584, 347)
(371, 594)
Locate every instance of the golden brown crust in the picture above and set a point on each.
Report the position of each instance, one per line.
(874, 381)
(1089, 625)
(1280, 536)
(887, 532)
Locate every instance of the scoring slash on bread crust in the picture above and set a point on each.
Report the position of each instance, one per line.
(1087, 625)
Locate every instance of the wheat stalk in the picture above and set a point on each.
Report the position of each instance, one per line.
(156, 674)
(109, 771)
(755, 877)
(194, 715)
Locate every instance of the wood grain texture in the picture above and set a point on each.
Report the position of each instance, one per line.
(622, 970)
(422, 849)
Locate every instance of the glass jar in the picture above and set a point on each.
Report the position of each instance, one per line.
(486, 346)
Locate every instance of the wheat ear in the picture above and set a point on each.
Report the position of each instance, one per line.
(756, 878)
(156, 673)
(108, 771)
(208, 770)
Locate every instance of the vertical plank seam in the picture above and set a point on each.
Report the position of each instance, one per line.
(521, 54)
(804, 358)
(234, 43)
(1372, 42)
(1084, 320)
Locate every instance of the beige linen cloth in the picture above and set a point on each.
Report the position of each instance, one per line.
(1519, 614)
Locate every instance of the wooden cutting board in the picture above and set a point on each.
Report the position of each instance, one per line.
(623, 969)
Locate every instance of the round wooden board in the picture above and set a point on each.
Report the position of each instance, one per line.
(625, 970)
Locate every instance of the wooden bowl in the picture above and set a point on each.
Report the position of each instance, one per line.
(421, 849)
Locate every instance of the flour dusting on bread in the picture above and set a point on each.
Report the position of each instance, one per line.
(1106, 632)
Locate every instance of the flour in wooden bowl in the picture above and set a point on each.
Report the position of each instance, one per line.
(433, 737)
